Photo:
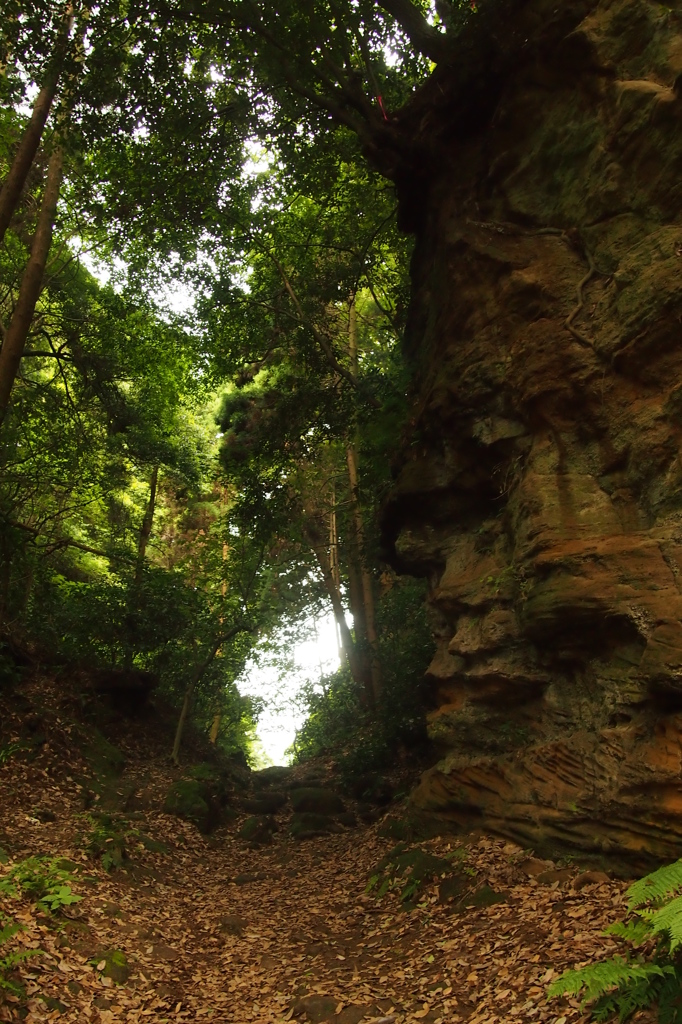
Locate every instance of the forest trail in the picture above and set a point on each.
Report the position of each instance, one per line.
(213, 930)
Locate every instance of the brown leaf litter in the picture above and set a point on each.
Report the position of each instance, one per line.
(298, 937)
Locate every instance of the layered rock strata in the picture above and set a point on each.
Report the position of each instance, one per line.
(541, 485)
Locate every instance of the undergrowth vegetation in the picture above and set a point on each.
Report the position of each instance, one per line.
(652, 971)
(43, 879)
(10, 960)
(407, 871)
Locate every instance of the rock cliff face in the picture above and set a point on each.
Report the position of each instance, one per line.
(541, 486)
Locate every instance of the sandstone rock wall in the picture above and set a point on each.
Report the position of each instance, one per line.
(541, 485)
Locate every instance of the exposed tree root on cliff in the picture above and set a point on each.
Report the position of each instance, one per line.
(213, 930)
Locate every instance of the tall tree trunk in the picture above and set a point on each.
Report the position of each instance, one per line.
(366, 586)
(355, 664)
(335, 567)
(14, 183)
(25, 155)
(363, 579)
(357, 605)
(195, 679)
(146, 527)
(5, 576)
(31, 283)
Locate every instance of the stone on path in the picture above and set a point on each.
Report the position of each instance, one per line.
(317, 801)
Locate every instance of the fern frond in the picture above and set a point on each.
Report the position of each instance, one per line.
(654, 888)
(8, 931)
(668, 919)
(597, 980)
(630, 997)
(635, 931)
(670, 999)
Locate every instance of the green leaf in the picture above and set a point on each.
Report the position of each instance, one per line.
(597, 979)
(655, 887)
(668, 920)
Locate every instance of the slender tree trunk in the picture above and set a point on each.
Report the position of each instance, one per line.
(195, 679)
(355, 589)
(146, 527)
(358, 547)
(25, 155)
(365, 582)
(336, 569)
(354, 549)
(14, 183)
(5, 577)
(351, 649)
(31, 283)
(215, 729)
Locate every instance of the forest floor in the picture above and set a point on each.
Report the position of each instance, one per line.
(213, 930)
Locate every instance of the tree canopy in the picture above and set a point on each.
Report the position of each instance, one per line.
(204, 295)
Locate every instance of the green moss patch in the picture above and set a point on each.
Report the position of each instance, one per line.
(484, 896)
(306, 824)
(276, 775)
(408, 870)
(113, 964)
(316, 801)
(268, 802)
(190, 800)
(258, 829)
(105, 758)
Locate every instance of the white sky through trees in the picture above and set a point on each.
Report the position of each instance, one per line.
(278, 678)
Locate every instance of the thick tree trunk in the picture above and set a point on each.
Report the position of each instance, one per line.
(31, 283)
(146, 527)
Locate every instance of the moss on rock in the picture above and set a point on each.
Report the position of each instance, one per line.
(189, 799)
(258, 829)
(268, 802)
(116, 966)
(316, 801)
(410, 870)
(305, 824)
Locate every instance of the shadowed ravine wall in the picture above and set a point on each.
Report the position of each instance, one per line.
(540, 488)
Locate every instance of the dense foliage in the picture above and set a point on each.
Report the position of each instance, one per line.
(191, 235)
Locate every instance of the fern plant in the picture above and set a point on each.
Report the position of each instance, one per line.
(621, 985)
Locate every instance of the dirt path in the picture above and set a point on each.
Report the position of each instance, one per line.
(213, 930)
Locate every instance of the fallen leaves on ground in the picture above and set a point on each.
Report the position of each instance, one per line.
(296, 936)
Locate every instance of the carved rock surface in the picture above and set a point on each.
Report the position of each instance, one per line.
(541, 486)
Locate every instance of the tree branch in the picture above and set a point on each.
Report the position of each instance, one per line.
(424, 37)
(319, 337)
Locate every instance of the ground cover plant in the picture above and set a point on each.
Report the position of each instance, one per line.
(43, 879)
(651, 972)
(11, 959)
